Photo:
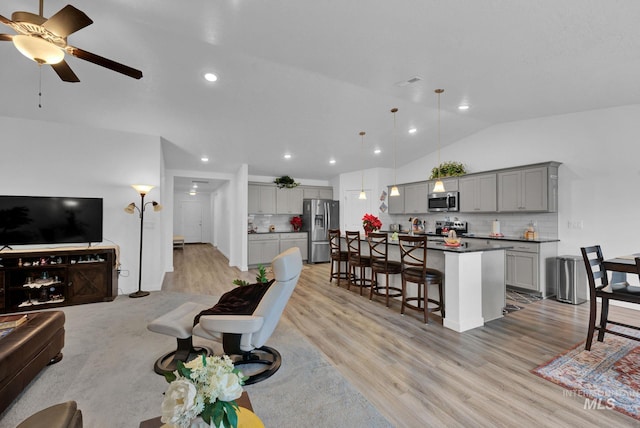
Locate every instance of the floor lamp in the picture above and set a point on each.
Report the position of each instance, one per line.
(142, 189)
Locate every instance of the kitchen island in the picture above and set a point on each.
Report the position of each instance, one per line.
(474, 279)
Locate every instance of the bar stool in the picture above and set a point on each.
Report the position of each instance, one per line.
(338, 257)
(380, 263)
(357, 262)
(413, 254)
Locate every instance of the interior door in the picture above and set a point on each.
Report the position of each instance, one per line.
(355, 209)
(192, 221)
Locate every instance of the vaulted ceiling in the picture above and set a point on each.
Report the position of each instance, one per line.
(305, 77)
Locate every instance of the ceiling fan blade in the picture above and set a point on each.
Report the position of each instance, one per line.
(5, 20)
(66, 21)
(104, 62)
(65, 72)
(6, 37)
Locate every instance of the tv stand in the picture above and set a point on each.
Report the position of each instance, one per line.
(51, 277)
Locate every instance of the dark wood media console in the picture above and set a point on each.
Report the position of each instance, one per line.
(46, 278)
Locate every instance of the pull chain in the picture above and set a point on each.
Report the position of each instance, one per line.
(40, 87)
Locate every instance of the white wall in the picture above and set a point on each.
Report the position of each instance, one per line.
(46, 159)
(597, 179)
(375, 182)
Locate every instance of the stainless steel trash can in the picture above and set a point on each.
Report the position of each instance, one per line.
(571, 277)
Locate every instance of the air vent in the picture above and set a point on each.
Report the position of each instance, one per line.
(199, 182)
(411, 80)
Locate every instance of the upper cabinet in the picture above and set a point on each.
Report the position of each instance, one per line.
(262, 199)
(289, 201)
(478, 193)
(529, 189)
(396, 203)
(450, 184)
(310, 192)
(415, 198)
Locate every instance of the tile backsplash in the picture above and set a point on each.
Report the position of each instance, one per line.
(511, 224)
(262, 222)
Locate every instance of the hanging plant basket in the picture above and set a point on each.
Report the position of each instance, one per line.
(448, 169)
(285, 182)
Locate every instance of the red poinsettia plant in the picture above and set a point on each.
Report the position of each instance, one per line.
(370, 223)
(296, 222)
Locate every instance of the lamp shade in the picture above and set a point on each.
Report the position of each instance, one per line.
(363, 195)
(129, 209)
(37, 49)
(143, 189)
(438, 186)
(394, 191)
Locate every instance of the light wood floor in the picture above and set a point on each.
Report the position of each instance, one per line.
(420, 375)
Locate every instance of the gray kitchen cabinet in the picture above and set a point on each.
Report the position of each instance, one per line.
(262, 199)
(528, 189)
(296, 239)
(530, 266)
(478, 193)
(396, 203)
(289, 201)
(415, 198)
(450, 184)
(263, 248)
(310, 192)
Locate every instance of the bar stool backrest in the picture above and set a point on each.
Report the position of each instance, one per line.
(353, 245)
(379, 248)
(413, 252)
(334, 241)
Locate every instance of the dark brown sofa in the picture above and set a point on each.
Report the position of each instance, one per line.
(27, 350)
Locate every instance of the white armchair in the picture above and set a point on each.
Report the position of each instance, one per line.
(244, 336)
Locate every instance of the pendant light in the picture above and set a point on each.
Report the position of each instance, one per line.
(439, 186)
(394, 188)
(363, 195)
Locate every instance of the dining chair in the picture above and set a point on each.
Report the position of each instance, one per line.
(357, 262)
(380, 264)
(599, 287)
(413, 255)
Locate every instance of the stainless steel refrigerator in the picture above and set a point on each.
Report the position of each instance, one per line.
(318, 216)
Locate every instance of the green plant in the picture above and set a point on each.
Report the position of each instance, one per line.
(285, 181)
(260, 277)
(448, 169)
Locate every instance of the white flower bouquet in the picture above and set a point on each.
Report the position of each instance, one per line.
(206, 387)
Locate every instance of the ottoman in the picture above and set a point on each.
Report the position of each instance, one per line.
(28, 349)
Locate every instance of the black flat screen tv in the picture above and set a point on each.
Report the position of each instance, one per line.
(27, 220)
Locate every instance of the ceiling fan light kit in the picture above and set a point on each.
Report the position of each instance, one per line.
(45, 41)
(37, 49)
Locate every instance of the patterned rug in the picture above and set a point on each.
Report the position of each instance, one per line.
(608, 376)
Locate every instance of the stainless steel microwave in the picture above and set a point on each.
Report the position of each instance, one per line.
(447, 201)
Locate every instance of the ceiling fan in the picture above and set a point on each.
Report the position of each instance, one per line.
(45, 41)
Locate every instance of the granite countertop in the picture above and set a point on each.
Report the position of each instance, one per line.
(270, 233)
(509, 238)
(465, 247)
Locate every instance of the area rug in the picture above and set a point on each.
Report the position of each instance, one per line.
(608, 376)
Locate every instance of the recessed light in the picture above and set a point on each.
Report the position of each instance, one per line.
(204, 159)
(192, 193)
(332, 161)
(377, 151)
(287, 156)
(463, 107)
(412, 130)
(210, 77)
(195, 186)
